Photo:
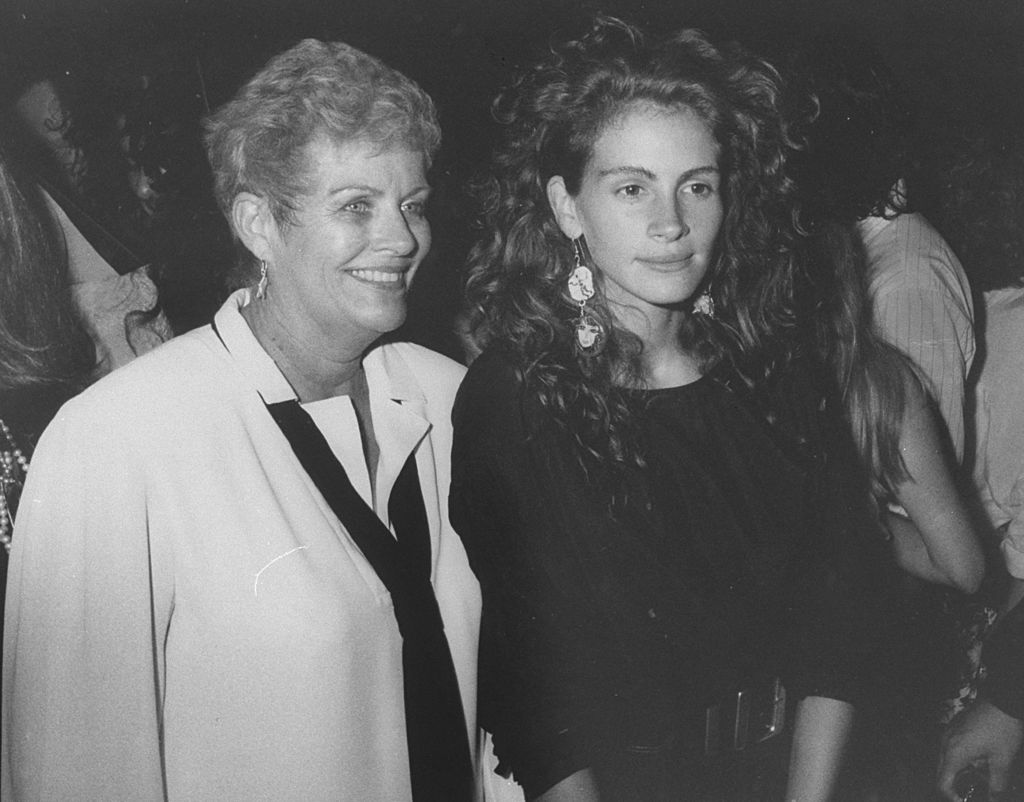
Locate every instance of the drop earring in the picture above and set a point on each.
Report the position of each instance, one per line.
(261, 287)
(590, 333)
(704, 304)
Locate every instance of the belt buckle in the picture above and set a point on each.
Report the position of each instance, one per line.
(757, 715)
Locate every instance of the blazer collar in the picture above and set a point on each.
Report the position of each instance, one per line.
(385, 368)
(387, 374)
(248, 354)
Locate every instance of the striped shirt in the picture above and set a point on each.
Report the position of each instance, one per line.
(999, 422)
(921, 303)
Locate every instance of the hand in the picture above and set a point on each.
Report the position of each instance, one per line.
(984, 736)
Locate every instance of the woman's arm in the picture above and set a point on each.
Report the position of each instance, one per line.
(578, 787)
(85, 625)
(938, 543)
(819, 742)
(544, 655)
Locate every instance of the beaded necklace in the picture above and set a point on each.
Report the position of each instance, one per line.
(13, 467)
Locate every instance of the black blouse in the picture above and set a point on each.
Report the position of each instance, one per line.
(749, 550)
(1003, 656)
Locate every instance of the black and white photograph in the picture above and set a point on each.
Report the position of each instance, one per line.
(512, 400)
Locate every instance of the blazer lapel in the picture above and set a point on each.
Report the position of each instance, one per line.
(400, 425)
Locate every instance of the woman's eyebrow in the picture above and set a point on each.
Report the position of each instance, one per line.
(627, 169)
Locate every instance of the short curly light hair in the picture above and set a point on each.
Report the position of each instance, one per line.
(256, 142)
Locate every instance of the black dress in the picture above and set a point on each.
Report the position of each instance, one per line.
(744, 548)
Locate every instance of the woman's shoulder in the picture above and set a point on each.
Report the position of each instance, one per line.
(160, 380)
(432, 373)
(493, 376)
(495, 366)
(490, 398)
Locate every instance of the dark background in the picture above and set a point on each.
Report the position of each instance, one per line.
(960, 61)
(961, 54)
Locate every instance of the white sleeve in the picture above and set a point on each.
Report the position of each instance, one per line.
(87, 613)
(931, 328)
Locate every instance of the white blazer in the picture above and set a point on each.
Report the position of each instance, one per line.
(186, 618)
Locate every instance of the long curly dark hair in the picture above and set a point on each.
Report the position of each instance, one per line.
(516, 290)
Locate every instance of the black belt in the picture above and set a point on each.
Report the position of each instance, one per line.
(729, 750)
(740, 720)
(746, 718)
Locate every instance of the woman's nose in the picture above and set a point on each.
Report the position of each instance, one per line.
(669, 222)
(395, 234)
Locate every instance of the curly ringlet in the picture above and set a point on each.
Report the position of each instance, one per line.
(553, 115)
(256, 142)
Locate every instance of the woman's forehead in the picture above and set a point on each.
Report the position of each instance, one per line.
(331, 163)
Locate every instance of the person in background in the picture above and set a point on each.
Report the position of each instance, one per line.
(650, 474)
(982, 214)
(192, 262)
(932, 670)
(65, 127)
(902, 364)
(982, 747)
(891, 415)
(45, 355)
(253, 591)
(858, 166)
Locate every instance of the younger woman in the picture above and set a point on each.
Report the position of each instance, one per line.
(652, 485)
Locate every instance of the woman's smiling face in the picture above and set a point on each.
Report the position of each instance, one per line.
(649, 206)
(344, 266)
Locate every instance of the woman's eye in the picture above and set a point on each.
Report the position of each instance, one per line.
(417, 207)
(631, 191)
(700, 190)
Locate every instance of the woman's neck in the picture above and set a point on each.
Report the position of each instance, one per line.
(669, 365)
(665, 362)
(314, 371)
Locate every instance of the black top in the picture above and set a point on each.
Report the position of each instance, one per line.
(1003, 656)
(749, 551)
(29, 410)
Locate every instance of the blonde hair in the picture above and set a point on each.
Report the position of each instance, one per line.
(256, 142)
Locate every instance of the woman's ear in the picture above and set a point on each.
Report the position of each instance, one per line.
(254, 224)
(564, 207)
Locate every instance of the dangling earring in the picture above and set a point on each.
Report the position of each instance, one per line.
(704, 304)
(590, 333)
(261, 288)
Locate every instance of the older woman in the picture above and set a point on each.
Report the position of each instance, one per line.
(233, 574)
(652, 482)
